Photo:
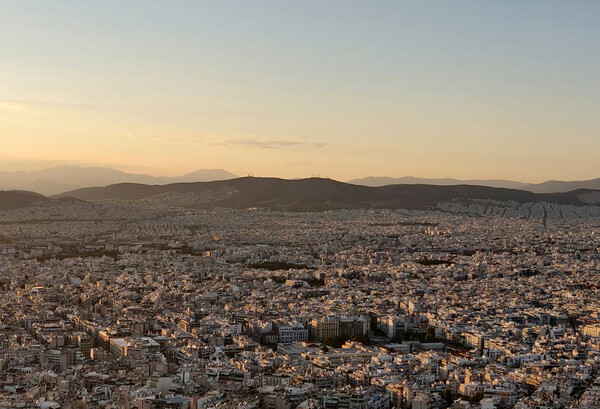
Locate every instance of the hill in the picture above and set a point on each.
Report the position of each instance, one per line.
(324, 194)
(16, 199)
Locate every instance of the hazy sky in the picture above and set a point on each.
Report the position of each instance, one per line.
(466, 89)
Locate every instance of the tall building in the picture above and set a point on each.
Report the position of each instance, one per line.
(331, 327)
(83, 342)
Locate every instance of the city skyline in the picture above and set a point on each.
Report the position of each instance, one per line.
(489, 91)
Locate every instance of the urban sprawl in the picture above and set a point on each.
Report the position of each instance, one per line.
(159, 303)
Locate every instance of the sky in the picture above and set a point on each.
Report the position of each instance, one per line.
(505, 89)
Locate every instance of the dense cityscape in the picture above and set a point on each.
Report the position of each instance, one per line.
(339, 204)
(158, 303)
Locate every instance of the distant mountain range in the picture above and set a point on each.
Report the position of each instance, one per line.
(560, 186)
(64, 178)
(552, 186)
(316, 194)
(61, 179)
(376, 181)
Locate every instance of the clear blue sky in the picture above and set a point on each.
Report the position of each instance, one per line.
(467, 89)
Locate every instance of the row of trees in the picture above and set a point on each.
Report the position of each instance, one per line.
(410, 335)
(337, 342)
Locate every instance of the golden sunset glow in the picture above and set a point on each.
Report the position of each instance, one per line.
(349, 89)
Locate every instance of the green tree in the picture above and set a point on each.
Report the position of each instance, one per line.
(476, 398)
(447, 396)
(335, 342)
(363, 339)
